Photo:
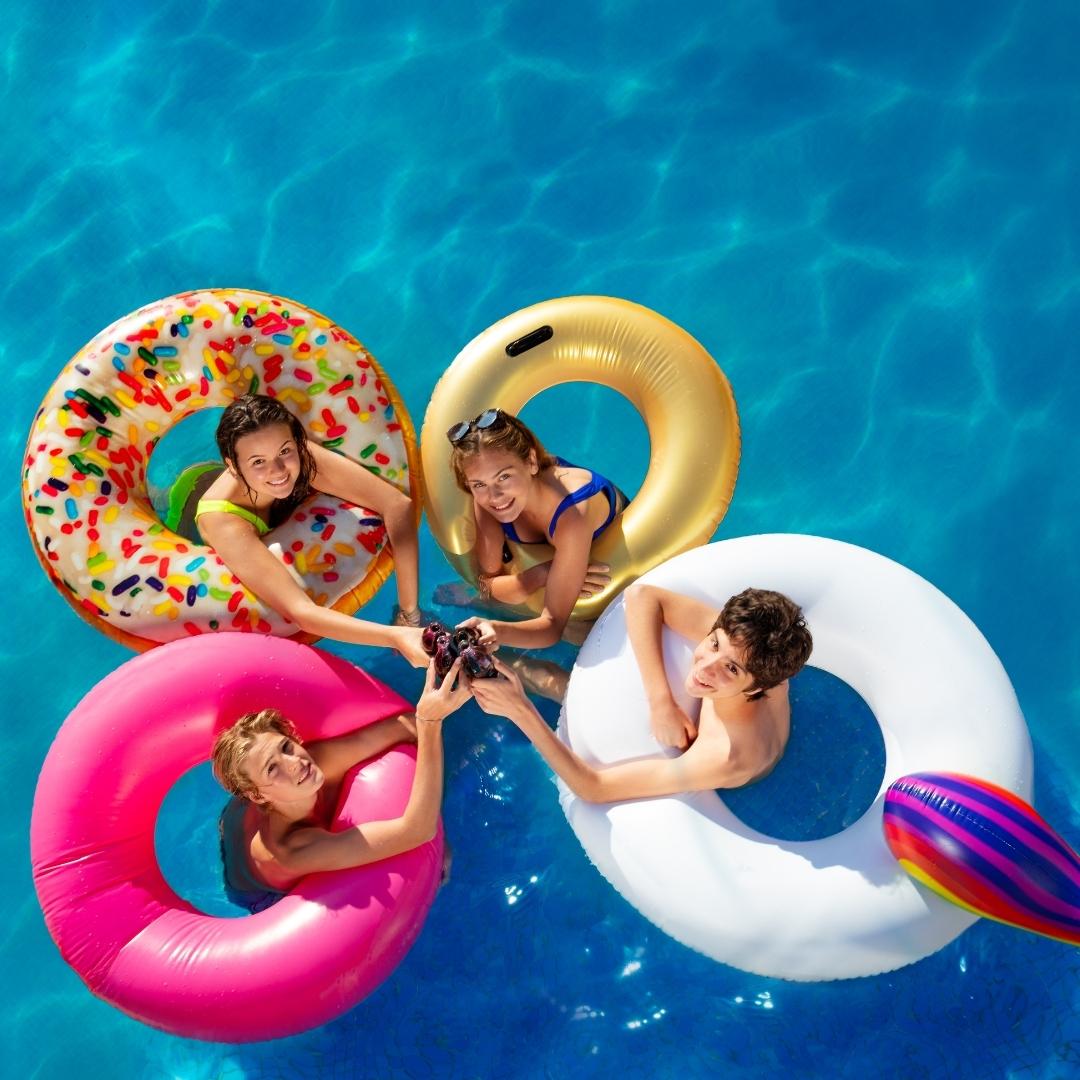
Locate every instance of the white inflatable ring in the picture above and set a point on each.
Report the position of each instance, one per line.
(833, 908)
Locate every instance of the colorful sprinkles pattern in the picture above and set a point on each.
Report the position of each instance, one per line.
(84, 484)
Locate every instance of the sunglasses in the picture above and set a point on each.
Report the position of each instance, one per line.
(488, 418)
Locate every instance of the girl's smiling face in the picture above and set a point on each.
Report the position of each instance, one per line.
(718, 669)
(500, 482)
(267, 461)
(282, 771)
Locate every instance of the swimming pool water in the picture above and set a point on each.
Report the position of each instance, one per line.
(831, 770)
(866, 213)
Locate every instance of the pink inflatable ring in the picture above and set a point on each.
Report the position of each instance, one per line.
(136, 944)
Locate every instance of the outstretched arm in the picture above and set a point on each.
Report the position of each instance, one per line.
(349, 480)
(636, 779)
(310, 849)
(240, 548)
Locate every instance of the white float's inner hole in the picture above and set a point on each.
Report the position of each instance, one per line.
(831, 771)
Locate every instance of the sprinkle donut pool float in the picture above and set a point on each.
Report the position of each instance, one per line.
(85, 492)
(319, 950)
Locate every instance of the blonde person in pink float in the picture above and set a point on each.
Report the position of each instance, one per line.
(270, 467)
(741, 665)
(276, 828)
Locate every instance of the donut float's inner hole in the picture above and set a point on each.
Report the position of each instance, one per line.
(186, 841)
(830, 773)
(595, 427)
(186, 444)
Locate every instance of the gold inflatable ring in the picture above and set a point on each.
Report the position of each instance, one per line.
(681, 394)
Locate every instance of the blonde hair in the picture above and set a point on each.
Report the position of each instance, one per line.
(507, 433)
(232, 745)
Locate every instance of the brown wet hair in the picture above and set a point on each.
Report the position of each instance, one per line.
(772, 633)
(507, 434)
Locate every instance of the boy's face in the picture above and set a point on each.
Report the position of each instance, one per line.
(718, 669)
(281, 769)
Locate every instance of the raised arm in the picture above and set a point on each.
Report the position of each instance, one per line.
(240, 548)
(696, 770)
(341, 476)
(648, 610)
(310, 849)
(337, 755)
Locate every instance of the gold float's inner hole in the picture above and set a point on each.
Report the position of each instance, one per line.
(594, 427)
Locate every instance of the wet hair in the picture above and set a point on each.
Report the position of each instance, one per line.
(232, 745)
(252, 413)
(772, 633)
(507, 433)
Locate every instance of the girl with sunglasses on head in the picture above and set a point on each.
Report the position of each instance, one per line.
(523, 494)
(270, 468)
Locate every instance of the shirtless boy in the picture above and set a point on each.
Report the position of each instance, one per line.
(277, 830)
(740, 671)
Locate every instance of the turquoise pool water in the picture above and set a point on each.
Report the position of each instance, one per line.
(867, 213)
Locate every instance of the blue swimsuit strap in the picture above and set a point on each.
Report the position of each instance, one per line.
(593, 486)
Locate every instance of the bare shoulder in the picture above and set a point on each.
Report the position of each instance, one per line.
(777, 708)
(569, 477)
(779, 693)
(715, 762)
(277, 839)
(264, 841)
(219, 527)
(223, 486)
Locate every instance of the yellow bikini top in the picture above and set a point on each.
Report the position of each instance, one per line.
(223, 506)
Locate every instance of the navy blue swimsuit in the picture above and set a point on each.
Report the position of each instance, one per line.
(593, 486)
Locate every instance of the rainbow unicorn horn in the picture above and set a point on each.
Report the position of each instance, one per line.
(986, 850)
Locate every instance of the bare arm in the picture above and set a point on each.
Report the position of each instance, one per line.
(310, 849)
(696, 770)
(565, 577)
(648, 610)
(240, 548)
(494, 580)
(349, 480)
(336, 756)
